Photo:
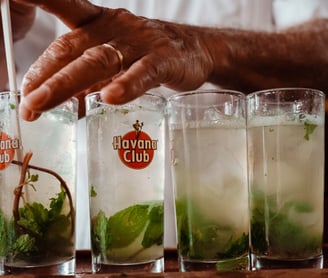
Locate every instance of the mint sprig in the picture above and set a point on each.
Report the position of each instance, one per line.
(124, 227)
(272, 227)
(154, 232)
(201, 238)
(309, 129)
(36, 232)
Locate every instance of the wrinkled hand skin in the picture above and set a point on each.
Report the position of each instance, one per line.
(162, 53)
(77, 62)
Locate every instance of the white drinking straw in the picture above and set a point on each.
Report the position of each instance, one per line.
(9, 50)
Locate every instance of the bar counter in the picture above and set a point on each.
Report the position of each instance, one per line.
(83, 270)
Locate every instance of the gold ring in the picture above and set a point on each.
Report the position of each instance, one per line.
(118, 53)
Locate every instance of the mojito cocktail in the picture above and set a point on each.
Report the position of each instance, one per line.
(38, 192)
(209, 167)
(286, 170)
(126, 180)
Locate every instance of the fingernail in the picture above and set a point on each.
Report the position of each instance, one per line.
(27, 114)
(114, 93)
(38, 99)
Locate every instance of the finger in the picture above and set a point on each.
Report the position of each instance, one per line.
(69, 47)
(139, 78)
(27, 114)
(59, 54)
(73, 13)
(95, 65)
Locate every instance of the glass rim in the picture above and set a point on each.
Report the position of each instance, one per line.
(9, 92)
(19, 94)
(206, 91)
(176, 100)
(286, 89)
(148, 93)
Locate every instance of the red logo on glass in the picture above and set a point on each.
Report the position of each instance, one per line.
(136, 148)
(7, 150)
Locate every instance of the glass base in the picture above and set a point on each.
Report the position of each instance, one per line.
(64, 268)
(156, 266)
(269, 263)
(240, 263)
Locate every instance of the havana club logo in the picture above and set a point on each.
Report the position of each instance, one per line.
(7, 149)
(136, 149)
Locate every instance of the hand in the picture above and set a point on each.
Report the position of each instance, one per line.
(154, 52)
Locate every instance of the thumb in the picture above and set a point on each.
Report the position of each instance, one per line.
(72, 13)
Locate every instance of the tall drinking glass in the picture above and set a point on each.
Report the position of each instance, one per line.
(37, 189)
(286, 177)
(126, 145)
(207, 131)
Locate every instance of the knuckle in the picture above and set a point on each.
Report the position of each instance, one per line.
(100, 57)
(64, 77)
(61, 48)
(121, 13)
(152, 69)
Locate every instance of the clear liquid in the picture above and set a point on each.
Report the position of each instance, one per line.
(210, 179)
(286, 166)
(52, 140)
(119, 187)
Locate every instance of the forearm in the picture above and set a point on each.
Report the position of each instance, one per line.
(258, 60)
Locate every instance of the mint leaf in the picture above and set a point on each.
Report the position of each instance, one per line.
(44, 231)
(32, 218)
(201, 238)
(99, 233)
(34, 178)
(300, 244)
(56, 205)
(273, 229)
(93, 192)
(155, 229)
(309, 129)
(25, 244)
(122, 228)
(240, 263)
(236, 248)
(126, 225)
(57, 226)
(3, 234)
(57, 237)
